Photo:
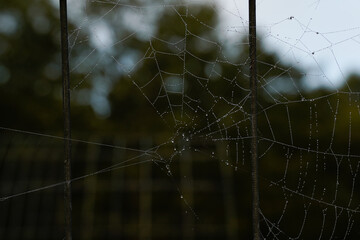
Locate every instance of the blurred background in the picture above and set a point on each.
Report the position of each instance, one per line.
(161, 128)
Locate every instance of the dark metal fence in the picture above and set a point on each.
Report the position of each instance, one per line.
(122, 203)
(197, 198)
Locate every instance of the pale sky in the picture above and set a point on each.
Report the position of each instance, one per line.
(295, 29)
(321, 37)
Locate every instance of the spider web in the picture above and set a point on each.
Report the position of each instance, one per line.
(188, 61)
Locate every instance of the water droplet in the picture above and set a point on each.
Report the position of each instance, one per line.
(181, 196)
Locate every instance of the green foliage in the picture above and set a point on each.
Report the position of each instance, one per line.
(187, 83)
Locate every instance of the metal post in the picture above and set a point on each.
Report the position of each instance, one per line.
(66, 115)
(254, 140)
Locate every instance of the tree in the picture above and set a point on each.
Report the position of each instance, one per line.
(180, 81)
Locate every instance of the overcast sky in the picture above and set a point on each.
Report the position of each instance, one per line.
(321, 36)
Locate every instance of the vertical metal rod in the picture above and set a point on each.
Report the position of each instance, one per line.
(254, 139)
(66, 116)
